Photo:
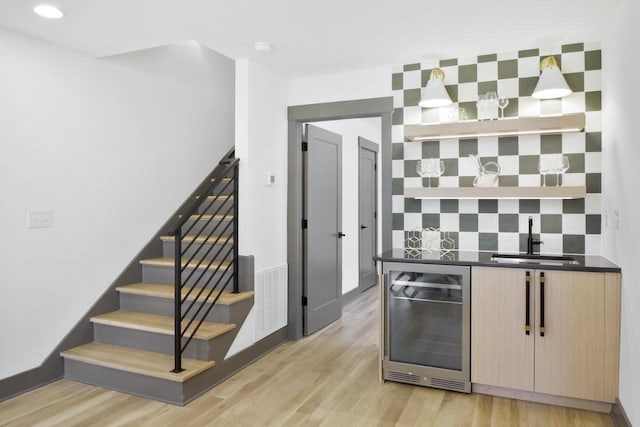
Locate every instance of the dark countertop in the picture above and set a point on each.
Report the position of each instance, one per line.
(471, 258)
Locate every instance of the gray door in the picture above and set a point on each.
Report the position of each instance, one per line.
(322, 174)
(367, 212)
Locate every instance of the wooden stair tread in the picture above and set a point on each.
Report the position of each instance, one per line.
(160, 324)
(167, 291)
(207, 217)
(169, 262)
(198, 239)
(219, 197)
(136, 361)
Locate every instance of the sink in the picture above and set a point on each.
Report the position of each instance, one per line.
(534, 259)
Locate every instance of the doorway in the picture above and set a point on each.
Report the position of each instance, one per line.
(297, 116)
(367, 212)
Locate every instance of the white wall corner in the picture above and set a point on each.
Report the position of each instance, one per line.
(621, 175)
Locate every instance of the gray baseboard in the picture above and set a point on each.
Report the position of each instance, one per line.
(350, 296)
(619, 416)
(353, 294)
(232, 365)
(82, 333)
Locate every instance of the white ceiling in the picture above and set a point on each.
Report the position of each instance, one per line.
(317, 37)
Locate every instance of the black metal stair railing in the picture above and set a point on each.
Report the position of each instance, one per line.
(202, 275)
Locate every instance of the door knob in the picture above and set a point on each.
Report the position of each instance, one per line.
(362, 227)
(341, 235)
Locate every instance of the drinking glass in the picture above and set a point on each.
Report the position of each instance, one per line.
(502, 104)
(482, 107)
(492, 103)
(544, 167)
(562, 166)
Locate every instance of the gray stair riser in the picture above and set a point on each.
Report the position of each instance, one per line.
(221, 190)
(200, 250)
(164, 275)
(128, 382)
(211, 207)
(164, 307)
(214, 349)
(204, 226)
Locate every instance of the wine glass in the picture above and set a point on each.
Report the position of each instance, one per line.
(562, 166)
(424, 168)
(431, 169)
(419, 169)
(544, 167)
(503, 101)
(438, 168)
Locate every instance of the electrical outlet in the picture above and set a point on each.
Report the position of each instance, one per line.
(39, 218)
(616, 221)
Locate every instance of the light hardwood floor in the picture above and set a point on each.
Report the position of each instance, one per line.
(327, 379)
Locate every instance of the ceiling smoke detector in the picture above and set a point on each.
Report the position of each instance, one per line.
(48, 11)
(262, 46)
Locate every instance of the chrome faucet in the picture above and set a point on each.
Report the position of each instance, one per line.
(530, 241)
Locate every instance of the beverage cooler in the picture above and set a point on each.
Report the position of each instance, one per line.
(427, 325)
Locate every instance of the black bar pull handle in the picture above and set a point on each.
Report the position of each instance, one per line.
(542, 280)
(527, 323)
(362, 227)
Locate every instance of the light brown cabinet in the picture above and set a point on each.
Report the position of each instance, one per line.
(575, 353)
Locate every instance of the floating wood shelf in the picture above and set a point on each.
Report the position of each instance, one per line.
(501, 127)
(496, 192)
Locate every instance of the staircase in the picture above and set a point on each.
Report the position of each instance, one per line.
(135, 349)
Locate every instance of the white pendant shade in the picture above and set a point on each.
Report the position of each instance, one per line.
(551, 84)
(434, 95)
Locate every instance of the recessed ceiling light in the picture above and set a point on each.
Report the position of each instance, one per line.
(262, 46)
(48, 11)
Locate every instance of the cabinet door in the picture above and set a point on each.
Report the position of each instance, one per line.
(570, 357)
(501, 351)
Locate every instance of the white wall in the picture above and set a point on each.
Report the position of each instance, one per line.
(350, 130)
(621, 154)
(113, 147)
(369, 83)
(261, 146)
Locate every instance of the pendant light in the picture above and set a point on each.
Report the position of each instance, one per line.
(551, 83)
(434, 94)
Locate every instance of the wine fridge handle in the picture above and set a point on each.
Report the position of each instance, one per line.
(542, 281)
(527, 323)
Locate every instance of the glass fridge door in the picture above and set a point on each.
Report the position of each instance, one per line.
(425, 312)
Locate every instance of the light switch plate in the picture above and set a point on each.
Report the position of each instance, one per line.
(41, 218)
(271, 178)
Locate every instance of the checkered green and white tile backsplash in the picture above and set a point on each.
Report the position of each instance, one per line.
(565, 226)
